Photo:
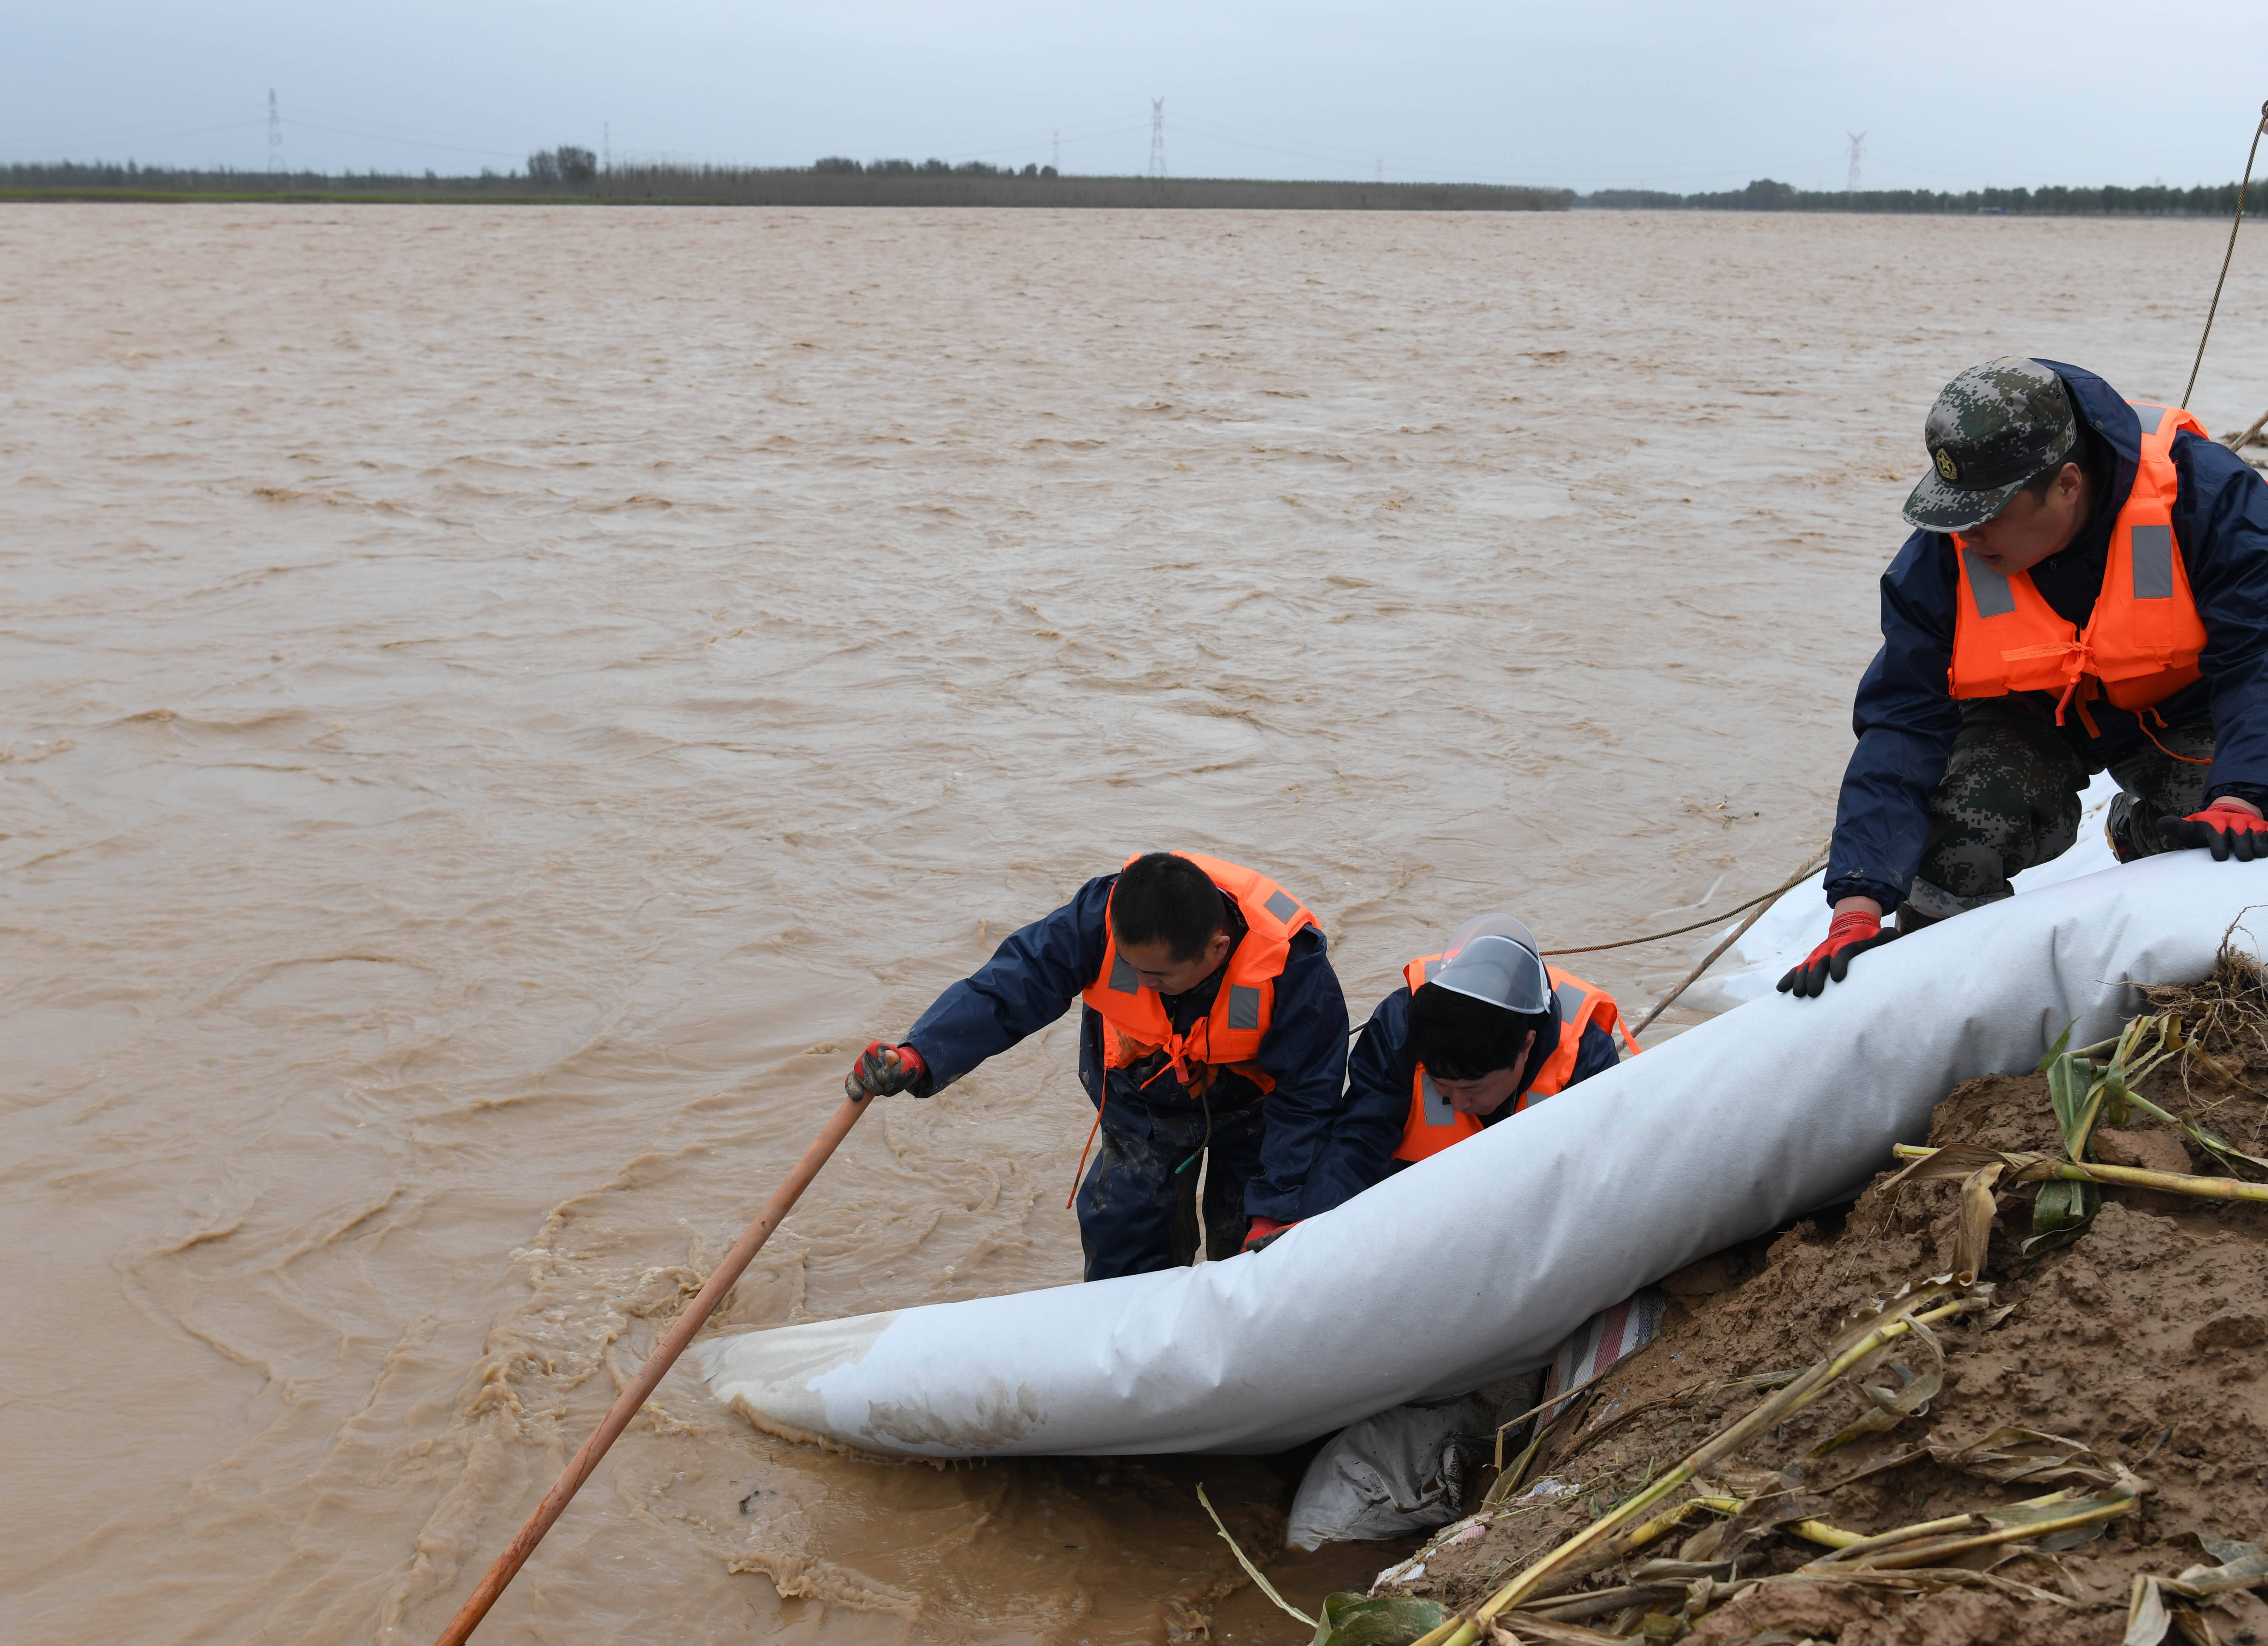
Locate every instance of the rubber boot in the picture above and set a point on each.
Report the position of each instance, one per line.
(2118, 828)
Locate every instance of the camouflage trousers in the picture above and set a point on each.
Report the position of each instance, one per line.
(2010, 800)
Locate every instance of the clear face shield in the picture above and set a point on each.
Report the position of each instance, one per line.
(1494, 958)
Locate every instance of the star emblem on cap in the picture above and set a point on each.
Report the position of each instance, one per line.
(1946, 466)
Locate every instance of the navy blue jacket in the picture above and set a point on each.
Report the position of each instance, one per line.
(1380, 1068)
(1905, 717)
(1039, 972)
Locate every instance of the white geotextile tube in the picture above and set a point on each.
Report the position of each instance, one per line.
(1472, 1264)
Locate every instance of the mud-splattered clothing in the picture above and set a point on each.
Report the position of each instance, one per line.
(2011, 799)
(1138, 1204)
(1907, 724)
(1293, 1168)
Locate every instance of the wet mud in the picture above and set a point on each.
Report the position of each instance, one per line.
(2140, 1341)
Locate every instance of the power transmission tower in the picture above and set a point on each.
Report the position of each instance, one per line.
(1858, 144)
(607, 145)
(1057, 161)
(1381, 168)
(274, 134)
(1158, 137)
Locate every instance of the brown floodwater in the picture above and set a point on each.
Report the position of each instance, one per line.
(495, 703)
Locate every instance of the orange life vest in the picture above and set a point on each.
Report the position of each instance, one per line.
(1433, 1125)
(1134, 1021)
(2142, 643)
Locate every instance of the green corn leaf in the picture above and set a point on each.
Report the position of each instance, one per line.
(2061, 1215)
(2062, 1043)
(2069, 1081)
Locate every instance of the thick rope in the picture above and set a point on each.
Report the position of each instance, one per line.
(2242, 189)
(1722, 915)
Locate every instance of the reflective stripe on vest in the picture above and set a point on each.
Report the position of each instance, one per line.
(2143, 639)
(1433, 1125)
(1134, 1021)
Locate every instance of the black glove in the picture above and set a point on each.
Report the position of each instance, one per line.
(2227, 831)
(1848, 936)
(883, 1071)
(1265, 1233)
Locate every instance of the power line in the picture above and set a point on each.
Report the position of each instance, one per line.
(1100, 130)
(1025, 147)
(1459, 170)
(156, 132)
(1342, 156)
(412, 142)
(979, 144)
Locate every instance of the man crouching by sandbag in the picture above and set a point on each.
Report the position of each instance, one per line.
(1476, 1033)
(2086, 590)
(1211, 1027)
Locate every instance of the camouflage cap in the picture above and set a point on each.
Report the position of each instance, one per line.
(1993, 429)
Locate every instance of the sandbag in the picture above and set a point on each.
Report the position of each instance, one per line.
(1475, 1263)
(1401, 1471)
(1405, 1469)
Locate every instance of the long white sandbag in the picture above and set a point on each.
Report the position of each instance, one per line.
(1474, 1263)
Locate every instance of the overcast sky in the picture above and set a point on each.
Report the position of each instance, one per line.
(1624, 93)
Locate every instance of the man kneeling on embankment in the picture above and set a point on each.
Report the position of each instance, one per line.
(2086, 588)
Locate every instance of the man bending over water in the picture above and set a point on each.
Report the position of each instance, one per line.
(1211, 1025)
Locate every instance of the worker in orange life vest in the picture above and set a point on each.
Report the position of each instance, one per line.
(1476, 1034)
(2087, 588)
(1213, 1041)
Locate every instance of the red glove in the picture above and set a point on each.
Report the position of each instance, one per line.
(1263, 1231)
(2228, 831)
(1848, 936)
(882, 1070)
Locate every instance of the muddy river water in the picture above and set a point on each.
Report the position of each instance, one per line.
(495, 703)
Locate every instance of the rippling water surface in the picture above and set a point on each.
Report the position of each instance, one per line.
(495, 703)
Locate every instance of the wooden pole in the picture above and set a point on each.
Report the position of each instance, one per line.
(2237, 443)
(694, 1316)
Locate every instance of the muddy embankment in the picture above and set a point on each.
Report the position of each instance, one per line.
(2079, 1420)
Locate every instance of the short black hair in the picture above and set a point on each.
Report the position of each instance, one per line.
(2089, 452)
(2039, 484)
(1458, 1038)
(1161, 896)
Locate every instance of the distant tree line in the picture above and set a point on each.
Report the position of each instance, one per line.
(2211, 200)
(569, 173)
(71, 180)
(838, 165)
(566, 164)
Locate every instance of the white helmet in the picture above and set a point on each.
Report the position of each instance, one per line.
(1494, 958)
